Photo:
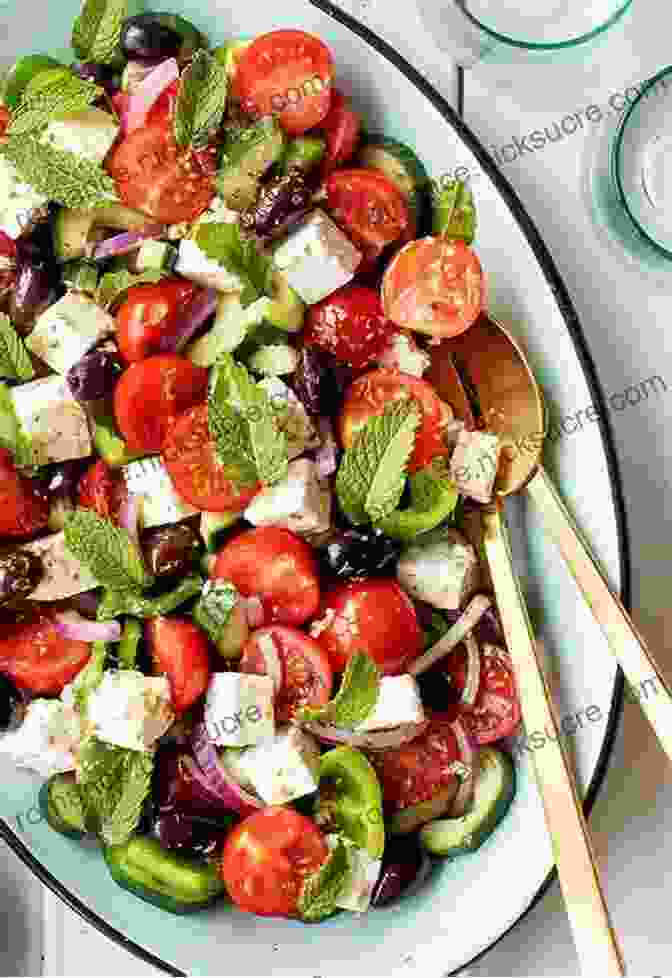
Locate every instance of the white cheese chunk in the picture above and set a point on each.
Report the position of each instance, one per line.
(317, 258)
(46, 740)
(63, 575)
(89, 133)
(291, 417)
(301, 502)
(283, 768)
(194, 264)
(160, 504)
(442, 569)
(19, 203)
(398, 702)
(474, 464)
(239, 709)
(218, 213)
(404, 354)
(129, 709)
(357, 889)
(68, 330)
(55, 422)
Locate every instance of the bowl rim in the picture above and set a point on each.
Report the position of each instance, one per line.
(569, 314)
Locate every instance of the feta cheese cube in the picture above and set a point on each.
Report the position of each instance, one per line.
(357, 889)
(239, 709)
(160, 504)
(68, 330)
(317, 258)
(442, 570)
(398, 702)
(46, 740)
(63, 575)
(55, 422)
(129, 709)
(89, 133)
(291, 417)
(284, 768)
(194, 264)
(474, 464)
(19, 203)
(404, 354)
(301, 502)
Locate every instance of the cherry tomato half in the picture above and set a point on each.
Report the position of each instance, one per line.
(434, 286)
(368, 397)
(24, 510)
(349, 324)
(287, 74)
(102, 490)
(267, 857)
(373, 616)
(36, 657)
(179, 650)
(278, 567)
(496, 712)
(341, 128)
(307, 678)
(198, 475)
(151, 394)
(150, 316)
(368, 206)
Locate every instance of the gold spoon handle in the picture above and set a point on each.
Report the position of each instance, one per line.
(625, 642)
(594, 937)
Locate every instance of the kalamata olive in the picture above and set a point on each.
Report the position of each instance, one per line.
(106, 76)
(87, 603)
(94, 376)
(9, 700)
(404, 864)
(170, 550)
(319, 381)
(144, 37)
(32, 294)
(284, 198)
(354, 553)
(173, 787)
(62, 480)
(436, 690)
(196, 835)
(20, 572)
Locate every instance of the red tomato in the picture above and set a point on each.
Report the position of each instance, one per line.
(276, 566)
(180, 651)
(434, 286)
(154, 176)
(496, 712)
(288, 74)
(341, 129)
(267, 857)
(150, 316)
(191, 460)
(307, 678)
(5, 119)
(24, 511)
(416, 772)
(151, 394)
(370, 395)
(349, 324)
(36, 657)
(373, 616)
(368, 206)
(164, 108)
(7, 263)
(102, 490)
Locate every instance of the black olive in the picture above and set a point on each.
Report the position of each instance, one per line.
(94, 376)
(319, 381)
(404, 864)
(106, 76)
(354, 553)
(170, 550)
(87, 603)
(20, 572)
(144, 37)
(281, 202)
(9, 700)
(32, 294)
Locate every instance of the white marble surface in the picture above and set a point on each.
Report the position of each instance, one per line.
(627, 327)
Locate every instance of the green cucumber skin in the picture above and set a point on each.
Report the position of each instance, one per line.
(453, 837)
(374, 148)
(56, 821)
(410, 819)
(359, 812)
(245, 159)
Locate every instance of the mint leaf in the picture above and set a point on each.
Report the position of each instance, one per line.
(90, 676)
(321, 889)
(107, 550)
(15, 361)
(127, 651)
(61, 176)
(240, 256)
(356, 698)
(51, 95)
(454, 214)
(114, 285)
(201, 100)
(97, 30)
(243, 425)
(127, 602)
(371, 476)
(114, 783)
(213, 611)
(12, 436)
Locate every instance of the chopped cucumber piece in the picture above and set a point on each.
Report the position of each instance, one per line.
(402, 167)
(157, 255)
(453, 212)
(274, 360)
(433, 499)
(229, 55)
(61, 805)
(232, 324)
(246, 156)
(129, 646)
(494, 789)
(121, 218)
(303, 153)
(71, 230)
(82, 276)
(213, 527)
(407, 820)
(108, 442)
(286, 309)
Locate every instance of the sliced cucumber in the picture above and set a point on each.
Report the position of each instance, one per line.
(81, 276)
(246, 156)
(286, 309)
(71, 230)
(433, 499)
(274, 360)
(494, 789)
(120, 218)
(60, 803)
(156, 255)
(453, 212)
(229, 55)
(402, 167)
(303, 153)
(409, 819)
(231, 326)
(108, 442)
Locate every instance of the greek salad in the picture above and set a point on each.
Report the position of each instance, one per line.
(247, 633)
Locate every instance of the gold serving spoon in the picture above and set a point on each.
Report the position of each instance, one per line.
(513, 408)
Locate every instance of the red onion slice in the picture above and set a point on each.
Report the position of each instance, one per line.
(200, 309)
(220, 782)
(254, 611)
(129, 514)
(70, 625)
(456, 634)
(374, 740)
(124, 244)
(473, 682)
(326, 457)
(468, 758)
(147, 93)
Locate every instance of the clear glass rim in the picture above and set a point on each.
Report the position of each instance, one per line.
(548, 45)
(617, 156)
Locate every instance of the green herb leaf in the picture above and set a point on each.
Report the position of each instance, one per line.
(15, 362)
(114, 783)
(321, 889)
(91, 675)
(213, 610)
(131, 637)
(239, 255)
(107, 550)
(97, 30)
(454, 213)
(371, 476)
(201, 100)
(115, 603)
(356, 698)
(61, 176)
(114, 285)
(51, 95)
(434, 500)
(243, 425)
(12, 436)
